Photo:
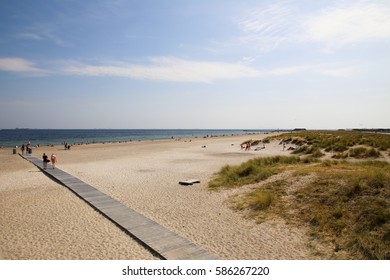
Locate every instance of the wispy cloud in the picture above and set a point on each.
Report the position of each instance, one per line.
(266, 28)
(168, 69)
(30, 36)
(343, 24)
(44, 32)
(20, 65)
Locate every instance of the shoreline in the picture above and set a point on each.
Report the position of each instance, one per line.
(115, 138)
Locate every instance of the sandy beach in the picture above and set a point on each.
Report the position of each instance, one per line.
(40, 219)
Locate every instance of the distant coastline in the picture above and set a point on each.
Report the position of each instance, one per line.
(48, 137)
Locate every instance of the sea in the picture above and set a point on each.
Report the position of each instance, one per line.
(45, 137)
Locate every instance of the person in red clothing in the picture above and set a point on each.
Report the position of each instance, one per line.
(53, 160)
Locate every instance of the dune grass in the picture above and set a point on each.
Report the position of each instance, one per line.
(347, 204)
(350, 205)
(342, 143)
(252, 171)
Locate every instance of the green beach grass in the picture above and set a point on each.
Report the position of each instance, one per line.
(342, 144)
(343, 203)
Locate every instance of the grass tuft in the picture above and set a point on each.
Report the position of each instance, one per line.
(252, 171)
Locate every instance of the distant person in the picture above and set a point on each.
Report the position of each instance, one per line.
(53, 160)
(22, 148)
(28, 148)
(45, 161)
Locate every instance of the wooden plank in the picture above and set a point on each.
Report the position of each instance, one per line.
(57, 171)
(67, 179)
(93, 194)
(142, 226)
(79, 188)
(112, 209)
(93, 200)
(162, 241)
(85, 191)
(102, 204)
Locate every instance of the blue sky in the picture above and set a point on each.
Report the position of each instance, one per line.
(195, 64)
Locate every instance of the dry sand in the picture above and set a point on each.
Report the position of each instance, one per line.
(41, 219)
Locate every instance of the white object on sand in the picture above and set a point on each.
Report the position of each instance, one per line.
(189, 182)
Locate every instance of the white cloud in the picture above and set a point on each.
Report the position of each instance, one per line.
(175, 70)
(19, 65)
(168, 69)
(179, 70)
(350, 24)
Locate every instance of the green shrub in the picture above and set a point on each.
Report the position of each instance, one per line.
(357, 152)
(362, 152)
(373, 153)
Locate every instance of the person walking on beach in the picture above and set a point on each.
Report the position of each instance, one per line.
(53, 160)
(45, 161)
(22, 148)
(28, 147)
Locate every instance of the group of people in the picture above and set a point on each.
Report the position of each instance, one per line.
(246, 146)
(53, 160)
(25, 148)
(66, 145)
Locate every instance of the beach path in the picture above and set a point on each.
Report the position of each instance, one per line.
(165, 243)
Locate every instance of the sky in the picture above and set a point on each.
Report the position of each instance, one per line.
(195, 64)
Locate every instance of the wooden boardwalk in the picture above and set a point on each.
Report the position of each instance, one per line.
(167, 244)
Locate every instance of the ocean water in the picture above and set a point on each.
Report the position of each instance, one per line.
(17, 137)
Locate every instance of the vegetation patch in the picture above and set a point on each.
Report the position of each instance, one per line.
(259, 204)
(358, 153)
(343, 144)
(252, 171)
(350, 206)
(345, 203)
